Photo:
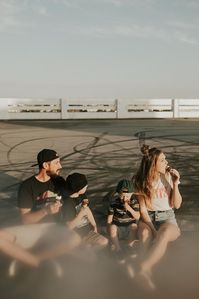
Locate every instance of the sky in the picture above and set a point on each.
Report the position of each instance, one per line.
(99, 48)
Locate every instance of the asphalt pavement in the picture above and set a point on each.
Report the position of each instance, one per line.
(106, 151)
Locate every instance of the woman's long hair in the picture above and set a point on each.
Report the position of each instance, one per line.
(146, 174)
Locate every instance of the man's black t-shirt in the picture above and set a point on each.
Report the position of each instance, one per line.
(34, 195)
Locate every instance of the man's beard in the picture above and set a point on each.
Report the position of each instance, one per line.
(53, 174)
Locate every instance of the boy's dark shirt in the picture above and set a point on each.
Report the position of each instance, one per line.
(69, 210)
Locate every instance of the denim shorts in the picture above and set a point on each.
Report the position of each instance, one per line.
(160, 217)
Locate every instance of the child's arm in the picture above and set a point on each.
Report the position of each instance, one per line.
(109, 222)
(134, 213)
(109, 219)
(77, 220)
(85, 211)
(91, 219)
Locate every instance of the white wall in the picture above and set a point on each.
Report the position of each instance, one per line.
(12, 108)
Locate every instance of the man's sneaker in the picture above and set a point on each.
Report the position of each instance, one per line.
(13, 268)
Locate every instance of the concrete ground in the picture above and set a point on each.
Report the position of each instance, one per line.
(106, 151)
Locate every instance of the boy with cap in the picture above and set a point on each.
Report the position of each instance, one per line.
(123, 215)
(76, 212)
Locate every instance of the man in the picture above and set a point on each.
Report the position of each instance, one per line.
(37, 197)
(76, 212)
(39, 206)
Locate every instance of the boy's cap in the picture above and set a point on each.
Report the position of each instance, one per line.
(76, 181)
(46, 155)
(125, 186)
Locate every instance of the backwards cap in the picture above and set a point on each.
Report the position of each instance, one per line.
(125, 185)
(76, 181)
(46, 155)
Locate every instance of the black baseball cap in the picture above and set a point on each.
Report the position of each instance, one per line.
(46, 155)
(76, 181)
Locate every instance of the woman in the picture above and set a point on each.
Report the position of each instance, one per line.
(157, 186)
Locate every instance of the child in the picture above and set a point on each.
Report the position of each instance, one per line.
(122, 216)
(76, 213)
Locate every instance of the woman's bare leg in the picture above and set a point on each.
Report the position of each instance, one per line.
(167, 233)
(145, 237)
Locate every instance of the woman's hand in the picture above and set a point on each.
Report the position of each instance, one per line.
(175, 176)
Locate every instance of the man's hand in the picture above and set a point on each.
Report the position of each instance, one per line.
(53, 208)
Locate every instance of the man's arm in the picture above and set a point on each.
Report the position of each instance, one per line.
(91, 219)
(77, 219)
(29, 217)
(25, 204)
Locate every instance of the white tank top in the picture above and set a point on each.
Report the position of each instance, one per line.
(162, 191)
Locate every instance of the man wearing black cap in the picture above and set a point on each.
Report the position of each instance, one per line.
(76, 212)
(37, 196)
(39, 206)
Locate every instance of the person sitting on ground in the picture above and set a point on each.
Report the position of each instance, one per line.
(37, 195)
(76, 211)
(39, 206)
(123, 214)
(158, 196)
